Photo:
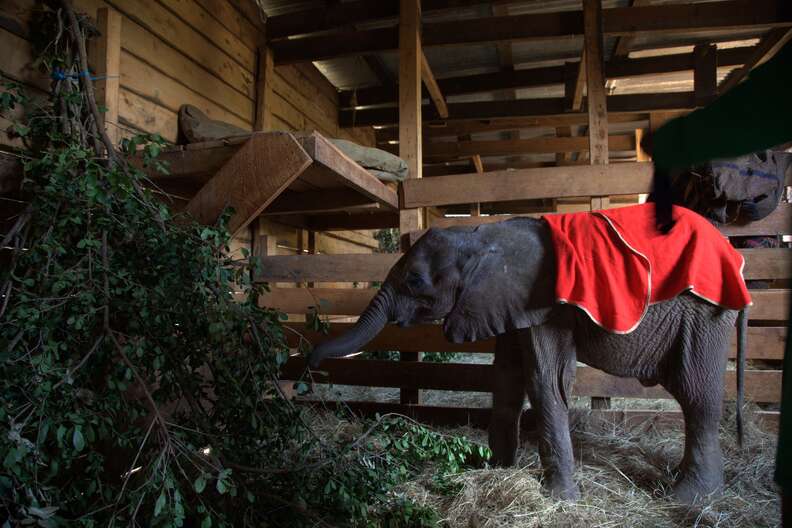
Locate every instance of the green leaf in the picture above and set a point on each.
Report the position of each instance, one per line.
(160, 504)
(207, 522)
(200, 484)
(221, 486)
(77, 439)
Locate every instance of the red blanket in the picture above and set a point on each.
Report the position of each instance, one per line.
(613, 264)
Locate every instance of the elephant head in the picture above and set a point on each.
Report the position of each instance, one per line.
(481, 281)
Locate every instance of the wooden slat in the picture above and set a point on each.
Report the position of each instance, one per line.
(312, 202)
(771, 305)
(767, 47)
(705, 73)
(105, 54)
(763, 342)
(546, 76)
(779, 222)
(479, 417)
(595, 85)
(327, 268)
(254, 176)
(521, 108)
(527, 184)
(760, 385)
(264, 90)
(625, 21)
(346, 172)
(767, 263)
(541, 145)
(435, 94)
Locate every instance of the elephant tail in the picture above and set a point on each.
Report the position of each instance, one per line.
(742, 334)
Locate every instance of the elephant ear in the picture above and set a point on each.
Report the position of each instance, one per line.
(508, 283)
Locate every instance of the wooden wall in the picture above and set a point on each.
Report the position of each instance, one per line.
(200, 52)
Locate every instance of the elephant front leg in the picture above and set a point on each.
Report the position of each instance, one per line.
(550, 372)
(508, 397)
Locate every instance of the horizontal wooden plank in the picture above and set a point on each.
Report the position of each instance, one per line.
(327, 268)
(624, 21)
(520, 108)
(479, 417)
(329, 301)
(771, 305)
(767, 263)
(760, 385)
(529, 184)
(544, 76)
(540, 145)
(779, 222)
(147, 115)
(763, 342)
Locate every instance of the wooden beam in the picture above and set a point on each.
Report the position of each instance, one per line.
(544, 76)
(574, 84)
(520, 108)
(767, 263)
(595, 89)
(105, 55)
(767, 47)
(352, 222)
(459, 128)
(595, 82)
(344, 14)
(760, 385)
(640, 153)
(411, 62)
(540, 145)
(705, 73)
(768, 305)
(313, 202)
(434, 90)
(623, 44)
(529, 184)
(264, 92)
(327, 268)
(242, 184)
(623, 21)
(766, 343)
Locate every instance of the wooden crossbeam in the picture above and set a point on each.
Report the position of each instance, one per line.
(545, 76)
(768, 305)
(767, 47)
(312, 202)
(435, 94)
(760, 385)
(505, 147)
(521, 108)
(624, 21)
(705, 74)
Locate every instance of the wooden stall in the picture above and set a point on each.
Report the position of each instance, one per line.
(554, 124)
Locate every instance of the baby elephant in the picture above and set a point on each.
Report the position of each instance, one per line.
(500, 280)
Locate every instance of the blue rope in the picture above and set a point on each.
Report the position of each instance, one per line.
(60, 75)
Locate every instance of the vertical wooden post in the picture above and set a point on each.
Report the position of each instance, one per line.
(705, 74)
(595, 86)
(640, 153)
(410, 141)
(264, 93)
(105, 53)
(597, 109)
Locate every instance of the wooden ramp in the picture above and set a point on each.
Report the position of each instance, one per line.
(294, 176)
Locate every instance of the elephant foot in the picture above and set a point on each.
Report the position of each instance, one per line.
(689, 490)
(563, 489)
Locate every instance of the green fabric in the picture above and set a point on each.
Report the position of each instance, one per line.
(754, 115)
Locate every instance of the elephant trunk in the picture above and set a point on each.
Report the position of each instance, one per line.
(371, 322)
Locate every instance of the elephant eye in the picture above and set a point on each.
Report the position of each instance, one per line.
(415, 280)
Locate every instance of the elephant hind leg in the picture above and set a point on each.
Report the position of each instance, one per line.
(697, 384)
(507, 401)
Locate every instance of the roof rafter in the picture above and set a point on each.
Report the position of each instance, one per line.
(623, 21)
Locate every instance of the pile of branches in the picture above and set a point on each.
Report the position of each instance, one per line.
(135, 387)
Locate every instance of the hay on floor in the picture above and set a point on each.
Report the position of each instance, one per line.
(624, 477)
